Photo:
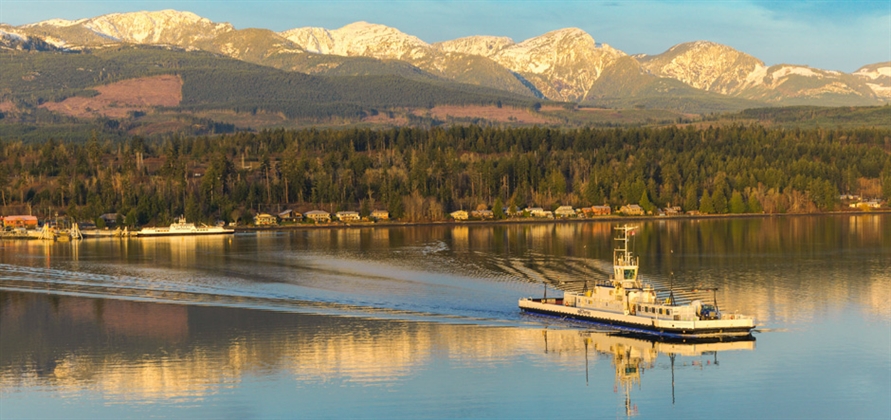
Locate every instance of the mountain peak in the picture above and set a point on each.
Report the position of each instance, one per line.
(708, 66)
(312, 39)
(375, 40)
(878, 77)
(164, 26)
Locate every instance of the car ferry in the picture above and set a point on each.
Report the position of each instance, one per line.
(180, 227)
(626, 303)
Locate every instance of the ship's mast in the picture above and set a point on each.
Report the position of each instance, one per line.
(625, 265)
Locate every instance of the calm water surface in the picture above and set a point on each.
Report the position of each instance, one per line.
(422, 322)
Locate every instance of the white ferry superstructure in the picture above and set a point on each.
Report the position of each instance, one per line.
(626, 303)
(181, 228)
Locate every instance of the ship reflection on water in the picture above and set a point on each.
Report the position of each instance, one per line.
(632, 355)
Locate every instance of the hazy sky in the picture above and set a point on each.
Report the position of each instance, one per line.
(834, 35)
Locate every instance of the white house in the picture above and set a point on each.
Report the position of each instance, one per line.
(318, 215)
(347, 216)
(564, 212)
(459, 215)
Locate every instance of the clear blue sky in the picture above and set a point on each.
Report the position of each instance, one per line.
(834, 35)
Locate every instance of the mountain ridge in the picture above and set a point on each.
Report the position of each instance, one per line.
(562, 65)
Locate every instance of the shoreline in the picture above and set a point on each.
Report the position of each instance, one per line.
(483, 223)
(529, 220)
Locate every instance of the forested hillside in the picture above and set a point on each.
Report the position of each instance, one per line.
(215, 82)
(422, 174)
(813, 116)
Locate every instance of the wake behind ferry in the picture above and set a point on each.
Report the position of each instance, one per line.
(181, 227)
(626, 303)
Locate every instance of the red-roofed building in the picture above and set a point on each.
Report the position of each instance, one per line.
(20, 221)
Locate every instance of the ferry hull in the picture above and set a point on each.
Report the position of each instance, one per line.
(669, 328)
(198, 233)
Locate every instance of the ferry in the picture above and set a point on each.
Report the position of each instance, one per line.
(626, 303)
(181, 228)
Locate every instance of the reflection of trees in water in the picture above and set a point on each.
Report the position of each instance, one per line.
(781, 267)
(135, 350)
(776, 268)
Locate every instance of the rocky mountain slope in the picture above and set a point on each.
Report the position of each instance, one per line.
(878, 77)
(562, 65)
(718, 68)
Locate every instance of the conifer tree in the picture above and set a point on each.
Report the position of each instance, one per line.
(645, 202)
(753, 205)
(737, 205)
(719, 201)
(691, 202)
(705, 205)
(498, 208)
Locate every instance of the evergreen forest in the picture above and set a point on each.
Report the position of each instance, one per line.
(422, 174)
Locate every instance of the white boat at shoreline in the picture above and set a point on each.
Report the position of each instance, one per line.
(626, 303)
(181, 228)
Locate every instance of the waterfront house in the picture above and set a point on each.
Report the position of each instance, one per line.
(673, 211)
(347, 216)
(110, 219)
(459, 215)
(603, 210)
(290, 216)
(564, 212)
(483, 214)
(318, 216)
(380, 215)
(265, 219)
(20, 221)
(540, 212)
(870, 204)
(631, 210)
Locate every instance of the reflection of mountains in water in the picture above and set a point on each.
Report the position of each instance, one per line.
(148, 350)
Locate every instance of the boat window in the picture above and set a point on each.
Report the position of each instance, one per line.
(629, 274)
(660, 311)
(668, 312)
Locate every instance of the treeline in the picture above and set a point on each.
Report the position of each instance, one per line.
(422, 174)
(812, 116)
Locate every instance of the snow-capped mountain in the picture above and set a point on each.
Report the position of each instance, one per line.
(707, 66)
(878, 77)
(363, 39)
(165, 27)
(360, 39)
(563, 65)
(718, 68)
